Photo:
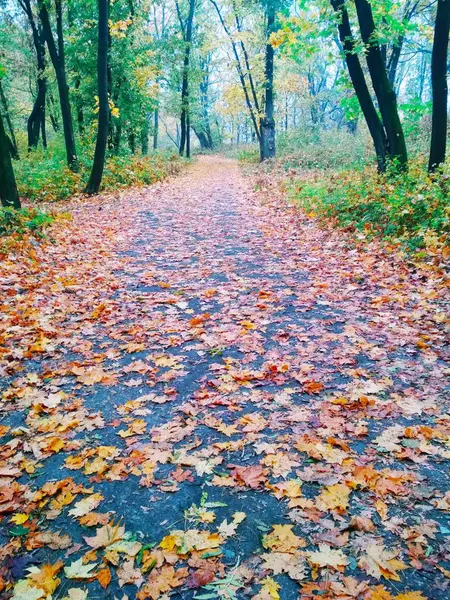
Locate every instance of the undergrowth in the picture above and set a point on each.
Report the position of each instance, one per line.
(411, 208)
(44, 176)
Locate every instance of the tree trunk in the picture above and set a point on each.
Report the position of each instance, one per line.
(267, 125)
(58, 61)
(103, 103)
(8, 188)
(187, 36)
(358, 80)
(155, 129)
(51, 105)
(385, 94)
(12, 138)
(439, 86)
(144, 136)
(36, 120)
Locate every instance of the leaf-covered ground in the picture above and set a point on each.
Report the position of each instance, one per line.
(207, 396)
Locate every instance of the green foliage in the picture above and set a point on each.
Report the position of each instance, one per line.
(44, 176)
(23, 221)
(410, 208)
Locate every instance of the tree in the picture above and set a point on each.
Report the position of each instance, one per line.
(36, 120)
(12, 138)
(186, 30)
(57, 55)
(103, 100)
(439, 86)
(384, 91)
(267, 125)
(358, 80)
(8, 188)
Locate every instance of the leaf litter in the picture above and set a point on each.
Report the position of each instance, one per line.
(205, 395)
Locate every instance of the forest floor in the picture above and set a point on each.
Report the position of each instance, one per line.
(205, 395)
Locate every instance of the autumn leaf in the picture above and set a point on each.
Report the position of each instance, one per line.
(78, 570)
(282, 539)
(105, 536)
(86, 505)
(379, 562)
(334, 497)
(327, 557)
(44, 577)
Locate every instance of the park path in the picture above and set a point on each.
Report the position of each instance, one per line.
(206, 393)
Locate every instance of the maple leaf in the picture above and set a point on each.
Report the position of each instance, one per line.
(77, 570)
(283, 562)
(327, 557)
(228, 529)
(283, 539)
(105, 536)
(379, 562)
(334, 497)
(20, 518)
(44, 577)
(269, 590)
(23, 590)
(252, 476)
(128, 574)
(92, 519)
(162, 580)
(86, 505)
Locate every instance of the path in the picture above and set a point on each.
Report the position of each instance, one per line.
(198, 368)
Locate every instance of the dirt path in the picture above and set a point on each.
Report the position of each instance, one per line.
(201, 388)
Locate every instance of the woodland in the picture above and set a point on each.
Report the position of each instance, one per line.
(224, 300)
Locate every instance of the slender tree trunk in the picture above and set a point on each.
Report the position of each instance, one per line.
(5, 110)
(103, 113)
(8, 188)
(267, 125)
(144, 136)
(439, 86)
(58, 60)
(386, 97)
(51, 105)
(358, 80)
(253, 109)
(184, 119)
(36, 120)
(155, 129)
(188, 136)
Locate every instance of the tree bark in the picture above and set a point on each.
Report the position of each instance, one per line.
(184, 118)
(103, 103)
(8, 188)
(385, 94)
(58, 60)
(155, 129)
(267, 125)
(36, 120)
(12, 138)
(358, 80)
(439, 86)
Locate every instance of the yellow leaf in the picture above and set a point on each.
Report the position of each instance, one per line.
(20, 518)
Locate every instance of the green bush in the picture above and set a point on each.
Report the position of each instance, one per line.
(411, 208)
(25, 220)
(44, 176)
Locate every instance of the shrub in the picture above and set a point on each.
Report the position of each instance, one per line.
(44, 176)
(411, 208)
(23, 221)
